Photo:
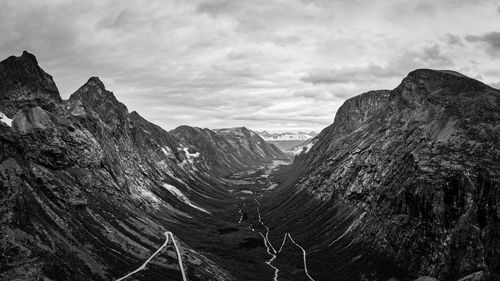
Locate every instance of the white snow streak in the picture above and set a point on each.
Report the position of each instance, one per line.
(350, 228)
(177, 193)
(190, 156)
(167, 151)
(308, 147)
(5, 119)
(304, 149)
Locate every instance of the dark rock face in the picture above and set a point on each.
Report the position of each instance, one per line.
(94, 100)
(229, 150)
(88, 189)
(23, 84)
(422, 162)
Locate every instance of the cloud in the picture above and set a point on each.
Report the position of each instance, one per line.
(427, 57)
(433, 57)
(403, 8)
(347, 74)
(218, 7)
(453, 40)
(265, 64)
(490, 41)
(314, 94)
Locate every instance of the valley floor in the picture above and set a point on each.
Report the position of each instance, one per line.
(287, 260)
(261, 235)
(239, 240)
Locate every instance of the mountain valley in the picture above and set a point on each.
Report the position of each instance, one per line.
(403, 185)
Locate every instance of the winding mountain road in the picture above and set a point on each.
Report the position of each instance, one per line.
(168, 235)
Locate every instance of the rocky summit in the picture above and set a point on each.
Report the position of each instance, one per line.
(23, 85)
(403, 185)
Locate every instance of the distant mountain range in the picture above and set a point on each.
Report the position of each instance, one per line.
(286, 136)
(288, 142)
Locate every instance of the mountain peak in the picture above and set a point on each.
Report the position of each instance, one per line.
(95, 81)
(23, 84)
(29, 56)
(235, 131)
(425, 72)
(432, 80)
(93, 96)
(358, 109)
(93, 89)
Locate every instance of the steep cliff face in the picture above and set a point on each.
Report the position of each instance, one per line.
(88, 190)
(421, 165)
(229, 150)
(23, 84)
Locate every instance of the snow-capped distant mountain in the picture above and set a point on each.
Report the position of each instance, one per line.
(287, 142)
(286, 136)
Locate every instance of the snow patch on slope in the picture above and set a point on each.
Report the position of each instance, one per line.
(167, 151)
(304, 149)
(177, 193)
(309, 146)
(5, 119)
(144, 194)
(191, 156)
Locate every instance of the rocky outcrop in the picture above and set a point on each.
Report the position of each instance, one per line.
(230, 150)
(93, 100)
(421, 163)
(23, 85)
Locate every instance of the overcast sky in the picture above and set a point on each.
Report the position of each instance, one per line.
(278, 65)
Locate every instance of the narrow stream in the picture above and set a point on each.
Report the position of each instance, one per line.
(265, 236)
